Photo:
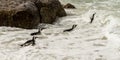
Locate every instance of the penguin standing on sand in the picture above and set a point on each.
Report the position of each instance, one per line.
(29, 42)
(67, 30)
(37, 33)
(92, 18)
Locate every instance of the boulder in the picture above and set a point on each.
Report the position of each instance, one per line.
(49, 10)
(29, 13)
(68, 5)
(26, 16)
(48, 15)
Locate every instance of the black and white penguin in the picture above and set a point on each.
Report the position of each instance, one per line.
(92, 18)
(29, 42)
(67, 30)
(37, 33)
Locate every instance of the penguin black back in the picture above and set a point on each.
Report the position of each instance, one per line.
(70, 28)
(92, 18)
(39, 31)
(29, 42)
(35, 33)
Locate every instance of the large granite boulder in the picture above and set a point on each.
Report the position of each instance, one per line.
(26, 16)
(29, 13)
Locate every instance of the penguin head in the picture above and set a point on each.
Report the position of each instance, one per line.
(74, 25)
(43, 28)
(40, 29)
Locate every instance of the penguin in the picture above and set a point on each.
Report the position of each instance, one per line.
(67, 30)
(29, 42)
(37, 33)
(92, 18)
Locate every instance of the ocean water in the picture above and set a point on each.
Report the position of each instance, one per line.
(97, 41)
